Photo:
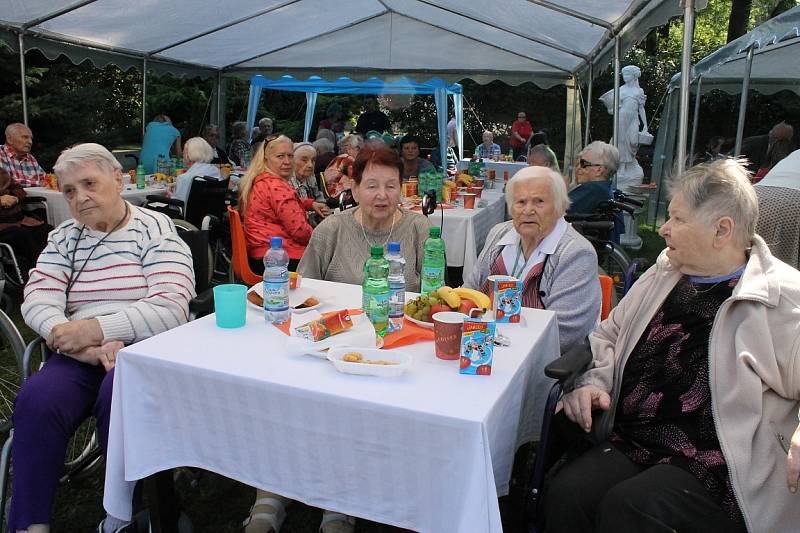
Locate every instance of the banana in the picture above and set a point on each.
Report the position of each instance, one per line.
(480, 299)
(449, 296)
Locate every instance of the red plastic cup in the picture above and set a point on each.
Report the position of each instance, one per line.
(447, 328)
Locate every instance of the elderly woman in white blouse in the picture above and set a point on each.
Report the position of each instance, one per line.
(197, 155)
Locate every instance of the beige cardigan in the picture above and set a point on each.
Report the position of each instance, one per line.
(754, 374)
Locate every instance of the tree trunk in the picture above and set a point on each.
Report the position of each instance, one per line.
(740, 14)
(781, 6)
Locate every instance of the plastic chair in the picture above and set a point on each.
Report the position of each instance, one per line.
(606, 290)
(239, 263)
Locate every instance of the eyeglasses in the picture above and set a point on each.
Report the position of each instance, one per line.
(586, 164)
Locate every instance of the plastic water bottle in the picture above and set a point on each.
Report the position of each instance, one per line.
(140, 177)
(397, 286)
(511, 154)
(276, 283)
(433, 263)
(375, 290)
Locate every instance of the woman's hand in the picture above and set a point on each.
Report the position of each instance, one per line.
(105, 354)
(8, 200)
(321, 209)
(793, 462)
(74, 336)
(578, 404)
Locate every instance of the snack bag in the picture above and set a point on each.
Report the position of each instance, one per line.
(326, 326)
(506, 299)
(477, 346)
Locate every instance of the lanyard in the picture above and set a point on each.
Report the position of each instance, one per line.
(516, 260)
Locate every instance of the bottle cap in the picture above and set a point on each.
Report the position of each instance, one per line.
(394, 247)
(435, 232)
(376, 250)
(276, 242)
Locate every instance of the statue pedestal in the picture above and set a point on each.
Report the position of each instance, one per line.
(630, 239)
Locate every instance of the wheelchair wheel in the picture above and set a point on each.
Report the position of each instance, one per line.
(615, 263)
(83, 456)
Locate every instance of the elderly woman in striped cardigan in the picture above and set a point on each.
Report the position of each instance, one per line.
(112, 275)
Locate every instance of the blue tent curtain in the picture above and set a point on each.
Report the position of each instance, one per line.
(316, 85)
(458, 109)
(311, 104)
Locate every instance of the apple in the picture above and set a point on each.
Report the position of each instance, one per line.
(438, 308)
(484, 370)
(465, 362)
(466, 306)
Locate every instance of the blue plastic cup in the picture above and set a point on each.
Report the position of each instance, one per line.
(230, 305)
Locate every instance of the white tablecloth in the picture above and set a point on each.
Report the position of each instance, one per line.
(58, 210)
(430, 451)
(498, 166)
(465, 230)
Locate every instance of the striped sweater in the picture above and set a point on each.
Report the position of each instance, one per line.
(137, 283)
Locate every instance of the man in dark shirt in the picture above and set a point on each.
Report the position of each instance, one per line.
(594, 167)
(372, 118)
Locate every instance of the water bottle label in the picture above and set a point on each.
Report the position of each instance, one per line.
(397, 302)
(276, 296)
(432, 278)
(377, 310)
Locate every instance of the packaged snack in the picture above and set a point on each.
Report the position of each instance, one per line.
(326, 326)
(506, 296)
(477, 346)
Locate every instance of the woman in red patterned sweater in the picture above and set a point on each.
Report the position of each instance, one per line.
(271, 207)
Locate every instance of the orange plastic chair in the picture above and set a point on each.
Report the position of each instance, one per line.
(606, 290)
(239, 260)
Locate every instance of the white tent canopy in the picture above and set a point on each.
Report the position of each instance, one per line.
(511, 40)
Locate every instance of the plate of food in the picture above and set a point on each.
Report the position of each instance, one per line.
(369, 361)
(301, 299)
(421, 323)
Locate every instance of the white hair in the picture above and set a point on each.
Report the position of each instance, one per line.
(323, 146)
(84, 154)
(13, 128)
(608, 154)
(198, 150)
(717, 189)
(557, 186)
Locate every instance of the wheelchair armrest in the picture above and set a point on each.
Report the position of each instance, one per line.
(30, 349)
(164, 199)
(34, 200)
(571, 364)
(202, 304)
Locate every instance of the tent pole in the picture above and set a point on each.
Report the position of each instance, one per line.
(144, 96)
(686, 63)
(22, 78)
(572, 125)
(697, 99)
(616, 92)
(743, 102)
(589, 105)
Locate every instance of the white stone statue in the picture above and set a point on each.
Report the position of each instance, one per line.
(631, 111)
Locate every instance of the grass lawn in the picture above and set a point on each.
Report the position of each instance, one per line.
(213, 503)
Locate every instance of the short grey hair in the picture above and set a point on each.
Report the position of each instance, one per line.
(198, 150)
(354, 139)
(209, 128)
(323, 146)
(11, 129)
(84, 154)
(608, 154)
(239, 130)
(264, 121)
(717, 189)
(557, 186)
(543, 150)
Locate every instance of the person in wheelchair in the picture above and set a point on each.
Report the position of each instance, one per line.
(26, 235)
(197, 155)
(113, 275)
(595, 165)
(557, 266)
(697, 376)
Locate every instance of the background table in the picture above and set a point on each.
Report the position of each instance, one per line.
(58, 210)
(498, 166)
(464, 231)
(430, 451)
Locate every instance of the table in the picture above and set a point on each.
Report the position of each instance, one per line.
(499, 166)
(58, 210)
(464, 231)
(429, 451)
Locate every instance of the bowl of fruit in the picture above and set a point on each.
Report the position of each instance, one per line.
(467, 301)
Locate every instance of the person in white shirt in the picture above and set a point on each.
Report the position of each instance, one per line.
(197, 154)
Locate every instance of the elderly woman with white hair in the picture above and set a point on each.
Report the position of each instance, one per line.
(557, 266)
(595, 166)
(197, 155)
(697, 375)
(98, 285)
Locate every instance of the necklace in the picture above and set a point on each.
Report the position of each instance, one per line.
(364, 232)
(694, 288)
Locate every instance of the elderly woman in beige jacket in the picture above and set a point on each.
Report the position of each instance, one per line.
(698, 374)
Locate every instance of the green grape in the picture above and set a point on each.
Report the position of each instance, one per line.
(411, 308)
(433, 300)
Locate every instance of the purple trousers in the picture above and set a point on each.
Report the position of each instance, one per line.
(50, 406)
